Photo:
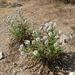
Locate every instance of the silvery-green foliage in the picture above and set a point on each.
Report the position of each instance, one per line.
(20, 28)
(47, 46)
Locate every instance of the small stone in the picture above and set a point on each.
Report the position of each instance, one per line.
(1, 55)
(72, 73)
(51, 73)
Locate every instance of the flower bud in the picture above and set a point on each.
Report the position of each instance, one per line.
(33, 41)
(27, 42)
(37, 39)
(44, 37)
(35, 53)
(50, 33)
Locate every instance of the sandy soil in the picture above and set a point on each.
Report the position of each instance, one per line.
(38, 12)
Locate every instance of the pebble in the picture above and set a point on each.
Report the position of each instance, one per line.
(1, 55)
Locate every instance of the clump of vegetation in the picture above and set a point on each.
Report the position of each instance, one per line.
(43, 44)
(46, 46)
(20, 29)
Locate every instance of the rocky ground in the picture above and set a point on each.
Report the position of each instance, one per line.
(38, 12)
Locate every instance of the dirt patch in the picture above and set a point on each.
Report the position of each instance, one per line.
(37, 12)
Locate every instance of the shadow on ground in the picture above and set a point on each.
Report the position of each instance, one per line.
(64, 64)
(61, 66)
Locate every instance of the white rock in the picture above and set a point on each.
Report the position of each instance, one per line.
(1, 55)
(72, 73)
